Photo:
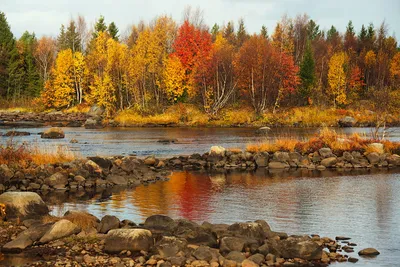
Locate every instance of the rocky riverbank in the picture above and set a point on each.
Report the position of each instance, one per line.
(130, 170)
(81, 239)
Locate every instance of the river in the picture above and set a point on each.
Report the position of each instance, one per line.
(362, 205)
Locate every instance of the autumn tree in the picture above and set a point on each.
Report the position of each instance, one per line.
(337, 78)
(44, 54)
(175, 80)
(66, 84)
(282, 38)
(395, 69)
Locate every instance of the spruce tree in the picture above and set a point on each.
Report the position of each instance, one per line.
(7, 53)
(100, 26)
(113, 31)
(241, 34)
(72, 38)
(307, 72)
(264, 32)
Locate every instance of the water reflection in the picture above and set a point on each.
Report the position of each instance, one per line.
(362, 204)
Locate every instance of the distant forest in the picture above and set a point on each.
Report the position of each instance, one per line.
(162, 62)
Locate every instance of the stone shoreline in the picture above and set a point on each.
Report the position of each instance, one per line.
(93, 172)
(81, 239)
(94, 119)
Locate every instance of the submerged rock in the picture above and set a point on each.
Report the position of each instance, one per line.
(17, 133)
(368, 252)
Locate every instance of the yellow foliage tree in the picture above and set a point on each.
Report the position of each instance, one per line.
(67, 80)
(175, 77)
(395, 68)
(337, 77)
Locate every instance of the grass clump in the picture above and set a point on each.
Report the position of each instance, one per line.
(83, 219)
(24, 154)
(326, 138)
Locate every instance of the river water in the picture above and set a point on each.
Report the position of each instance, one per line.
(144, 141)
(362, 205)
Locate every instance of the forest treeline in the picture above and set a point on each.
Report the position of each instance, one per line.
(162, 62)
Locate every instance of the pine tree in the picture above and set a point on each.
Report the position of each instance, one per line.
(307, 72)
(72, 38)
(264, 32)
(62, 39)
(99, 27)
(312, 30)
(31, 82)
(8, 52)
(214, 31)
(113, 31)
(241, 34)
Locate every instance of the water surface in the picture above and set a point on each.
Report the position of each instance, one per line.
(365, 206)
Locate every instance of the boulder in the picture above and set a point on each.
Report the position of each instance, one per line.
(5, 173)
(23, 205)
(252, 230)
(325, 152)
(376, 147)
(108, 223)
(249, 263)
(133, 240)
(169, 246)
(263, 130)
(150, 161)
(203, 253)
(195, 234)
(347, 121)
(229, 244)
(329, 162)
(281, 156)
(277, 165)
(393, 159)
(57, 179)
(262, 159)
(368, 252)
(95, 111)
(217, 150)
(256, 258)
(117, 179)
(160, 222)
(297, 248)
(17, 133)
(53, 133)
(236, 256)
(373, 158)
(60, 229)
(93, 167)
(104, 163)
(93, 124)
(19, 243)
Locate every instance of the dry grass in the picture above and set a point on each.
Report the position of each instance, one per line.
(50, 219)
(23, 154)
(83, 219)
(235, 150)
(81, 108)
(326, 138)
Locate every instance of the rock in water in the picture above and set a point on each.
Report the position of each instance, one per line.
(369, 252)
(118, 240)
(53, 133)
(108, 223)
(17, 133)
(23, 205)
(217, 150)
(347, 122)
(60, 229)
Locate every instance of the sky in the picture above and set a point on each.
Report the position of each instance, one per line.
(44, 17)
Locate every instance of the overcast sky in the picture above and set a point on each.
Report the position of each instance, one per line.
(44, 17)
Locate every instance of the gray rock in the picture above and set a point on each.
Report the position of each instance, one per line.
(277, 165)
(60, 229)
(394, 159)
(117, 179)
(95, 110)
(368, 252)
(325, 152)
(261, 159)
(23, 205)
(229, 244)
(133, 240)
(296, 248)
(347, 121)
(108, 223)
(203, 253)
(5, 173)
(57, 179)
(169, 246)
(373, 158)
(252, 230)
(329, 162)
(264, 249)
(263, 130)
(53, 133)
(235, 256)
(160, 222)
(281, 156)
(256, 258)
